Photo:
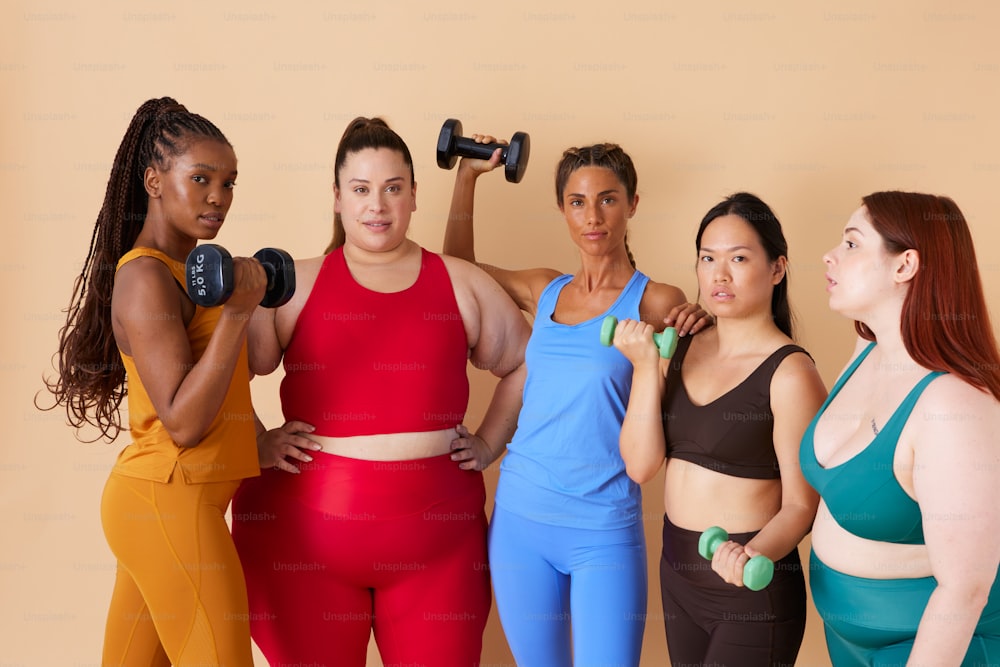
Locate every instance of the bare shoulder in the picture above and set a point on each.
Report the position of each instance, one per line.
(797, 381)
(309, 267)
(143, 282)
(306, 271)
(950, 404)
(523, 286)
(796, 371)
(458, 267)
(952, 435)
(658, 300)
(145, 266)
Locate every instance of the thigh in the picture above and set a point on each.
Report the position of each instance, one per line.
(608, 591)
(174, 542)
(301, 609)
(129, 635)
(844, 653)
(762, 628)
(432, 598)
(687, 638)
(532, 595)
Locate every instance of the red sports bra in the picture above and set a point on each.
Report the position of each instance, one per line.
(362, 362)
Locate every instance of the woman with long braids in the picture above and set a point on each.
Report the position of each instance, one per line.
(131, 330)
(567, 546)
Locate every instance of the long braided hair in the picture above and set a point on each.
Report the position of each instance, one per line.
(609, 156)
(91, 378)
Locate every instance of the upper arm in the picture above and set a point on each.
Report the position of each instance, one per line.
(956, 472)
(149, 323)
(271, 329)
(496, 328)
(263, 349)
(797, 393)
(657, 301)
(524, 286)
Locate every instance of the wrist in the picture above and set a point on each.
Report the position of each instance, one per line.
(466, 172)
(493, 454)
(643, 368)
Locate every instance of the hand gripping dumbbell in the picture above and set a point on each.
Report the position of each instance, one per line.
(209, 270)
(665, 341)
(451, 145)
(758, 571)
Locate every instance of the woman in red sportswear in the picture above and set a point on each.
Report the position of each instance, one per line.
(383, 526)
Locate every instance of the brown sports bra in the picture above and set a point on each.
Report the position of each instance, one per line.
(733, 434)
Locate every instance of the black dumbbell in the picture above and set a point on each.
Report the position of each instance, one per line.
(209, 270)
(451, 145)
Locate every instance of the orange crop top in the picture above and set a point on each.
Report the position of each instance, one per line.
(362, 362)
(228, 451)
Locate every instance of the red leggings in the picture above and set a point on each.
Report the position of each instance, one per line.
(351, 545)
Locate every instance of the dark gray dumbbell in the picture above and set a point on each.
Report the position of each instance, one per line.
(209, 270)
(451, 145)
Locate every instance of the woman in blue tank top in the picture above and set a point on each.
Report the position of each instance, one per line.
(566, 546)
(734, 403)
(904, 451)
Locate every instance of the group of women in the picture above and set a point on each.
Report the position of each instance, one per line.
(364, 512)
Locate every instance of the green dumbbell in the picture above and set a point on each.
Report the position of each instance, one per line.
(758, 571)
(666, 341)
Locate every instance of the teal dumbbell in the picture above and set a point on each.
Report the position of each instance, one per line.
(666, 341)
(758, 571)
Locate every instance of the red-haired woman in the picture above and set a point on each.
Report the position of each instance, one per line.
(903, 452)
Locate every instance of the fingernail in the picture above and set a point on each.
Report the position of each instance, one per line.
(308, 458)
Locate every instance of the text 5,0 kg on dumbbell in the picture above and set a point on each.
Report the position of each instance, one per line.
(209, 271)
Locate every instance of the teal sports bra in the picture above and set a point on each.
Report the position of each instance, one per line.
(862, 493)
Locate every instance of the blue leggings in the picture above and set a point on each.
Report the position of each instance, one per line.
(873, 622)
(569, 596)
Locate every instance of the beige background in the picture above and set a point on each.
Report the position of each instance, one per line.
(810, 106)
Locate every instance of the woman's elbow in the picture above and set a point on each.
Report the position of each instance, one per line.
(185, 434)
(641, 473)
(262, 363)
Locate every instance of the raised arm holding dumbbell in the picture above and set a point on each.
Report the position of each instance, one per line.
(452, 145)
(562, 473)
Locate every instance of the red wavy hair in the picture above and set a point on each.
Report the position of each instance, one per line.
(944, 324)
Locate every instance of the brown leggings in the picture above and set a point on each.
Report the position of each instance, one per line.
(710, 622)
(179, 595)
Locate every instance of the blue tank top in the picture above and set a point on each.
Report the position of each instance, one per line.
(862, 493)
(563, 466)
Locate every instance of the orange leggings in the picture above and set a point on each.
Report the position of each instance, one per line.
(179, 595)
